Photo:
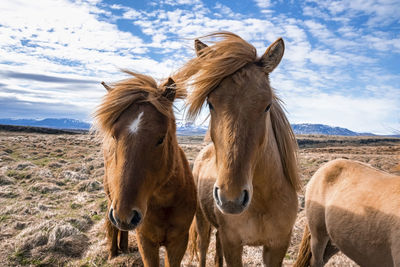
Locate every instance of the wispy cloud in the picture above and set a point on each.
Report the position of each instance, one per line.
(42, 78)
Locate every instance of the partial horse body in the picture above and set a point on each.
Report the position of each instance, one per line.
(147, 178)
(247, 177)
(353, 208)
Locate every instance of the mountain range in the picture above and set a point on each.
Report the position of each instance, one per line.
(183, 128)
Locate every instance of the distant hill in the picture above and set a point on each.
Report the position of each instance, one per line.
(182, 128)
(42, 130)
(63, 123)
(307, 128)
(188, 128)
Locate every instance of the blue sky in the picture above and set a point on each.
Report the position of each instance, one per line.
(341, 65)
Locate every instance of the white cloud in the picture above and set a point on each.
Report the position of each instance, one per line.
(224, 10)
(263, 3)
(359, 114)
(318, 30)
(379, 12)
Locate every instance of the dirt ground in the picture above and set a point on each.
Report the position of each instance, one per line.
(52, 204)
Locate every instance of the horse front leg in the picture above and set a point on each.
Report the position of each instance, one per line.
(176, 249)
(204, 229)
(218, 259)
(232, 249)
(112, 239)
(148, 250)
(123, 241)
(273, 257)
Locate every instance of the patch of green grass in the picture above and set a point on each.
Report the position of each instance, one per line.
(75, 206)
(96, 217)
(41, 161)
(18, 174)
(11, 173)
(23, 259)
(103, 205)
(4, 217)
(97, 261)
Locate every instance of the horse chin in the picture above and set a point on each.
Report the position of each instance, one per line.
(232, 209)
(127, 227)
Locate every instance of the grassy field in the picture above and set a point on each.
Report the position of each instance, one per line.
(53, 205)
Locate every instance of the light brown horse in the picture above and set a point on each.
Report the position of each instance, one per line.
(147, 178)
(247, 177)
(353, 208)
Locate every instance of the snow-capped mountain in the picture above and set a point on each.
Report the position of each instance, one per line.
(188, 128)
(182, 128)
(63, 123)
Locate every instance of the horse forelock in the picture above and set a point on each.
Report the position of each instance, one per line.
(218, 61)
(138, 89)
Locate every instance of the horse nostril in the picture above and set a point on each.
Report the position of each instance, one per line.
(216, 196)
(244, 198)
(111, 216)
(137, 217)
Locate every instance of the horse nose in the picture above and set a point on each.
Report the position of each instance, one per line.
(112, 217)
(131, 223)
(234, 206)
(136, 218)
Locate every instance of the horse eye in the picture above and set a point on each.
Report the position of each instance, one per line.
(210, 106)
(267, 108)
(160, 141)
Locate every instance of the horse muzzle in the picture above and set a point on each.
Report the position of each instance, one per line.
(130, 223)
(231, 206)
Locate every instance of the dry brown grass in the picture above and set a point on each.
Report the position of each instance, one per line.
(53, 205)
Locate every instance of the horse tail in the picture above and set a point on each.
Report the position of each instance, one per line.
(192, 246)
(304, 255)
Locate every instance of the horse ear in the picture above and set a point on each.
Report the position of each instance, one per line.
(198, 46)
(273, 55)
(108, 88)
(170, 89)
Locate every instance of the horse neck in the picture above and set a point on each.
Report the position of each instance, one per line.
(268, 172)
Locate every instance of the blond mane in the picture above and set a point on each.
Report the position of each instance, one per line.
(141, 88)
(216, 62)
(224, 57)
(287, 143)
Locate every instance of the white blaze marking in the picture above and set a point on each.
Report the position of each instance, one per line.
(134, 127)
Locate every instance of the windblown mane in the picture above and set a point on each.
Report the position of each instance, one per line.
(140, 88)
(216, 62)
(220, 60)
(286, 141)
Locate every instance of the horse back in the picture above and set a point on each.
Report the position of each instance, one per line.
(357, 206)
(340, 180)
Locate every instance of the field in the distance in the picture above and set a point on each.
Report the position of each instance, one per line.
(53, 206)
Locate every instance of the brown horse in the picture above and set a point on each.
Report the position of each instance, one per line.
(247, 177)
(147, 178)
(353, 208)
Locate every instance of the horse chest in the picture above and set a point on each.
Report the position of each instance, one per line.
(253, 230)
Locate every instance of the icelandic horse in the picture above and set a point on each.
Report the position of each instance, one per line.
(147, 177)
(353, 208)
(247, 177)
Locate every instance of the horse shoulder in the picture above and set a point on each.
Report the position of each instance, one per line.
(203, 161)
(204, 172)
